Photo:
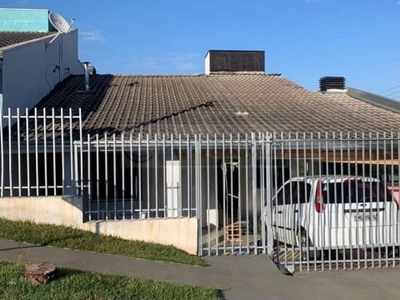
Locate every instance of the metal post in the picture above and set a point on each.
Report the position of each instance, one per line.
(268, 194)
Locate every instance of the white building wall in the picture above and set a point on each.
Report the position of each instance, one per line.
(31, 70)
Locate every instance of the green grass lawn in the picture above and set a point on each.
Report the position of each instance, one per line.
(76, 239)
(74, 285)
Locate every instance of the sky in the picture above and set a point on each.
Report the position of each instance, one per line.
(303, 40)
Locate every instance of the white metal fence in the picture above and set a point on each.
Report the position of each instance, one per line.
(311, 201)
(36, 152)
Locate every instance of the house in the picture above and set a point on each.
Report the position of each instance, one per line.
(33, 59)
(191, 153)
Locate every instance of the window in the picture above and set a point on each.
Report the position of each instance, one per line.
(304, 192)
(354, 191)
(283, 194)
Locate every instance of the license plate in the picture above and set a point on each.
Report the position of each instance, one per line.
(365, 217)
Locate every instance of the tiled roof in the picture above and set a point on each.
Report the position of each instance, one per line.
(8, 38)
(214, 104)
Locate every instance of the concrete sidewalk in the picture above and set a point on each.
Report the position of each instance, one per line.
(240, 277)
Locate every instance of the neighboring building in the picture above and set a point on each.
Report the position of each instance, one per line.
(31, 66)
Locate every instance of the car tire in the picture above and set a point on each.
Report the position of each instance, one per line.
(304, 243)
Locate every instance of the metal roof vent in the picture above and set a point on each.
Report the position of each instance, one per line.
(331, 83)
(89, 70)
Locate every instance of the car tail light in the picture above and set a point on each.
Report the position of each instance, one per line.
(319, 200)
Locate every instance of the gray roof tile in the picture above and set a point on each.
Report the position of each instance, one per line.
(210, 105)
(8, 38)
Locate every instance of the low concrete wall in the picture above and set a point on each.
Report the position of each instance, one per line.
(67, 210)
(179, 232)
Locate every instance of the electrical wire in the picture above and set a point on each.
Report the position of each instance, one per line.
(392, 88)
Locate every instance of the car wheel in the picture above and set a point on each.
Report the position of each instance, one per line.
(304, 243)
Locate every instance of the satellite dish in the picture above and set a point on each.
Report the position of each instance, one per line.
(59, 23)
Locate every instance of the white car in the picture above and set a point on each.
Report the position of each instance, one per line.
(334, 212)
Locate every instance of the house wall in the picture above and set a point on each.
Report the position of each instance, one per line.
(31, 70)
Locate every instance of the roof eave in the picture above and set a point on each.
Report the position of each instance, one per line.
(14, 46)
(373, 99)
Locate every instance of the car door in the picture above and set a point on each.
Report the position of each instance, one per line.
(278, 210)
(285, 205)
(291, 212)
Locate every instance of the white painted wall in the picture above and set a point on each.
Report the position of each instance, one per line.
(29, 69)
(67, 210)
(207, 64)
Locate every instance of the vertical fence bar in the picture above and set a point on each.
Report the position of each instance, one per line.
(189, 170)
(71, 147)
(81, 156)
(240, 192)
(386, 222)
(336, 197)
(106, 173)
(46, 185)
(247, 186)
(254, 188)
(230, 197)
(200, 188)
(371, 175)
(89, 177)
(140, 174)
(208, 194)
(327, 150)
(293, 234)
(282, 156)
(173, 208)
(298, 203)
(271, 206)
(342, 159)
(180, 201)
(312, 146)
(363, 197)
(115, 175)
(216, 194)
(393, 215)
(164, 177)
(123, 190)
(156, 172)
(320, 221)
(261, 174)
(148, 175)
(53, 125)
(357, 227)
(268, 198)
(76, 168)
(224, 192)
(97, 145)
(19, 152)
(37, 153)
(133, 189)
(63, 191)
(10, 151)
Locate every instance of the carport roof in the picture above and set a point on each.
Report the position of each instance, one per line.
(215, 104)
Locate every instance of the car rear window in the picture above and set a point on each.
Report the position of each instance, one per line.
(355, 191)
